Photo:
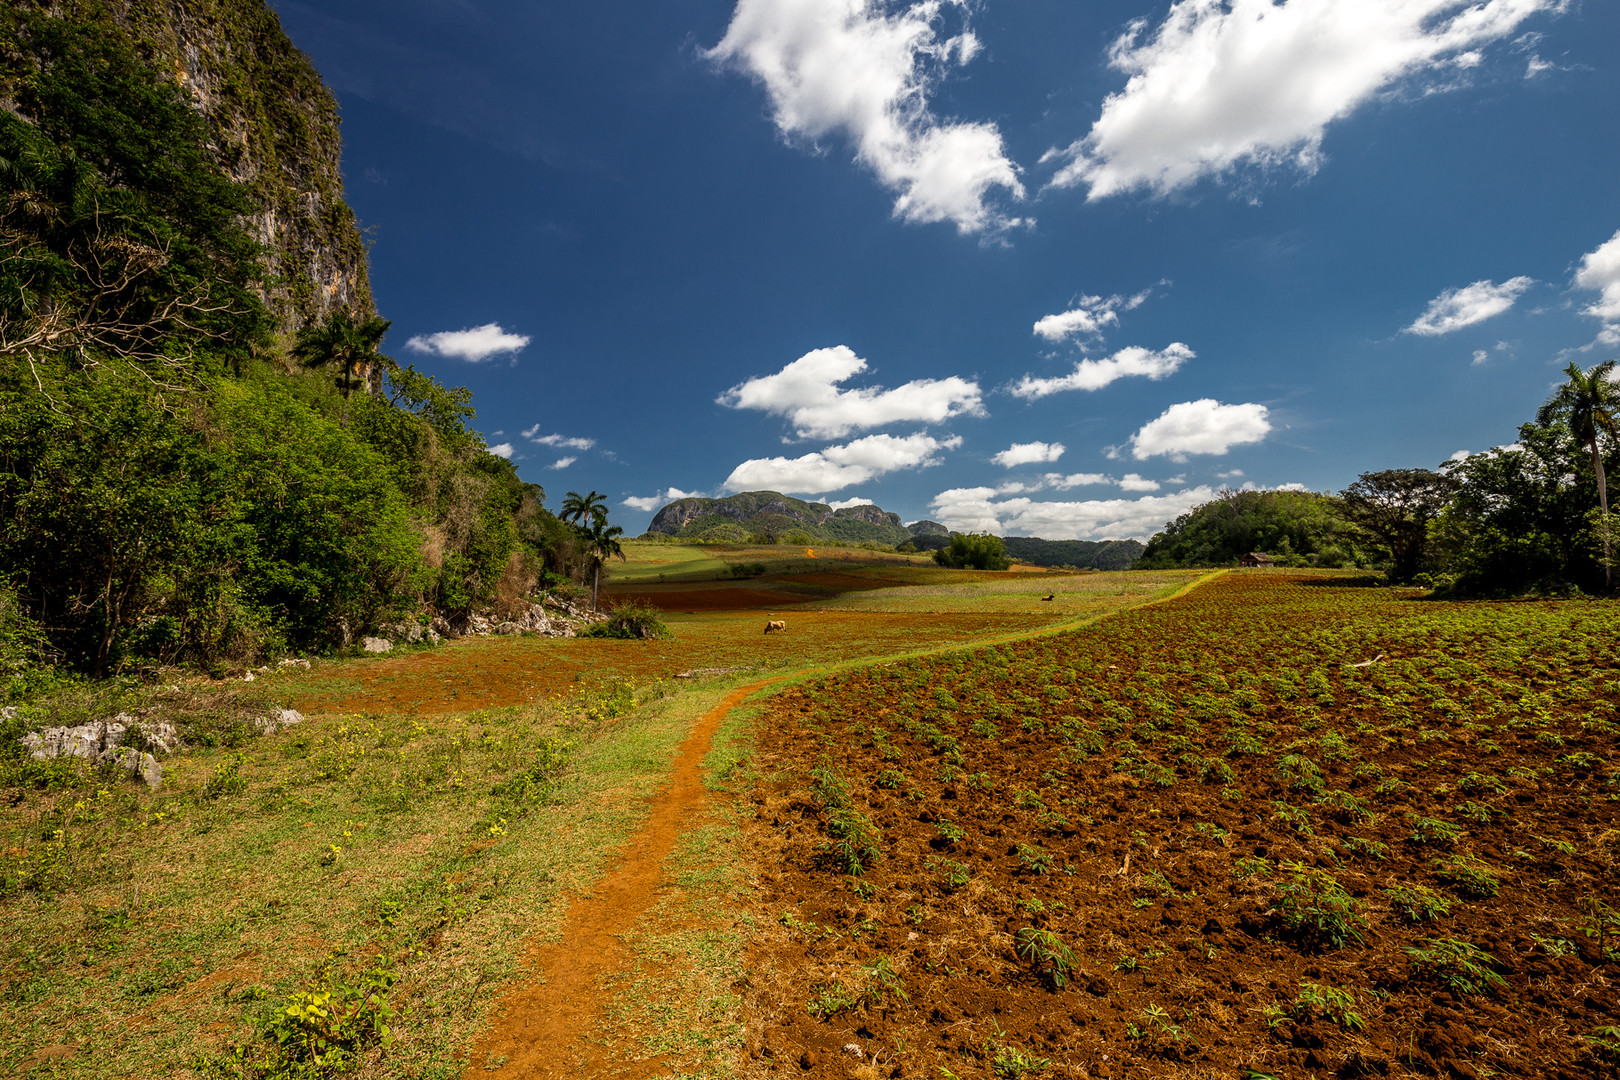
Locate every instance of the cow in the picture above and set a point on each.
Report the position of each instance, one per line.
(1050, 596)
(776, 624)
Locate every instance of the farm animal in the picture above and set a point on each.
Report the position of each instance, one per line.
(776, 624)
(1049, 596)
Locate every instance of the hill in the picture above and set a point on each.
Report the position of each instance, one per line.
(1086, 554)
(777, 517)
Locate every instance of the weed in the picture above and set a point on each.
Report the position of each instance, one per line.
(1127, 964)
(830, 999)
(1418, 903)
(1329, 1002)
(1013, 1062)
(1462, 967)
(1480, 812)
(227, 779)
(1605, 1042)
(882, 981)
(950, 832)
(1156, 1027)
(1051, 957)
(1249, 866)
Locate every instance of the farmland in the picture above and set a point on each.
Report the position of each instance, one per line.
(1283, 824)
(1160, 824)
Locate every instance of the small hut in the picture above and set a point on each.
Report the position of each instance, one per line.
(1255, 558)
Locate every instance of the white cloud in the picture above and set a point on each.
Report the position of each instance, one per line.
(807, 393)
(473, 345)
(1600, 270)
(1457, 308)
(1088, 317)
(845, 504)
(649, 503)
(1204, 426)
(839, 466)
(502, 450)
(857, 69)
(979, 510)
(1480, 356)
(1135, 482)
(1234, 474)
(1221, 83)
(1096, 374)
(559, 442)
(1028, 453)
(563, 462)
(1059, 482)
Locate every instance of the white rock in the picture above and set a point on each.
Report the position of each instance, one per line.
(376, 644)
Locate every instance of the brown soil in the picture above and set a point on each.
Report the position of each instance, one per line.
(481, 673)
(1177, 954)
(543, 1025)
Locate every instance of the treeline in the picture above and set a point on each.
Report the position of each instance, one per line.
(1528, 517)
(178, 481)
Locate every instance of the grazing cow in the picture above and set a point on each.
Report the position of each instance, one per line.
(776, 624)
(1049, 596)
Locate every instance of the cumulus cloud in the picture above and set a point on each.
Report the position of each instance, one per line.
(859, 70)
(845, 504)
(1135, 482)
(1222, 83)
(1600, 271)
(1457, 308)
(1028, 453)
(1204, 426)
(1095, 374)
(1059, 482)
(563, 462)
(473, 345)
(558, 442)
(808, 392)
(982, 509)
(502, 450)
(1088, 317)
(649, 503)
(839, 466)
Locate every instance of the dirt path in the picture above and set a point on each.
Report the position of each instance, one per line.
(543, 1026)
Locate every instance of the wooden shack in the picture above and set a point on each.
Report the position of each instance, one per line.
(1255, 558)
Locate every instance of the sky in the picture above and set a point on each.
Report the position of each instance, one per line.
(1033, 267)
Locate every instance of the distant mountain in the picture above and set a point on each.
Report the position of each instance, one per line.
(770, 513)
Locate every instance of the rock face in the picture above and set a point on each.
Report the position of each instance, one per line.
(275, 129)
(928, 528)
(772, 513)
(116, 743)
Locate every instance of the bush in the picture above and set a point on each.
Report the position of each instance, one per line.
(973, 551)
(632, 621)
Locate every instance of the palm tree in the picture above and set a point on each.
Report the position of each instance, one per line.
(1590, 403)
(601, 543)
(580, 508)
(342, 340)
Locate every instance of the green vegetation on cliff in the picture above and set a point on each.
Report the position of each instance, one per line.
(173, 485)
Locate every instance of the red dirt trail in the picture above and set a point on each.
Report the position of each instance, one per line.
(543, 1024)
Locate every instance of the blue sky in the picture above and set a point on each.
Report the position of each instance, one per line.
(1037, 267)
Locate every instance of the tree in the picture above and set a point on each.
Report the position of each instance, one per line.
(1394, 508)
(1589, 403)
(973, 551)
(342, 340)
(601, 543)
(582, 508)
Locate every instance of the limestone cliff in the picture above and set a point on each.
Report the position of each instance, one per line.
(274, 128)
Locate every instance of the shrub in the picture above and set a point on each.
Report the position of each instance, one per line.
(973, 551)
(631, 621)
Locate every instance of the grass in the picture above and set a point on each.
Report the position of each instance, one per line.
(176, 924)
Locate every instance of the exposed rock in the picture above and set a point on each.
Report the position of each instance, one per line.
(102, 741)
(292, 661)
(376, 644)
(928, 528)
(278, 720)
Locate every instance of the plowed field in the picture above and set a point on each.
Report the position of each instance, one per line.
(1281, 826)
